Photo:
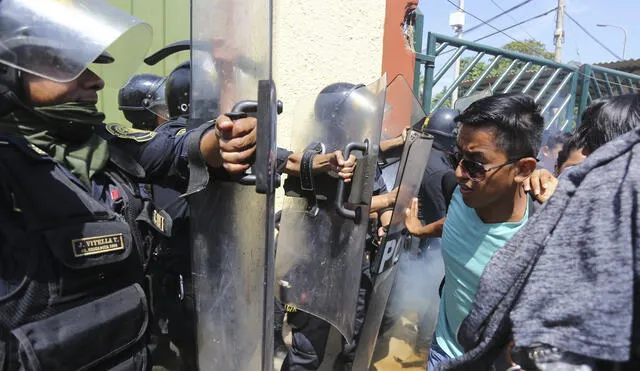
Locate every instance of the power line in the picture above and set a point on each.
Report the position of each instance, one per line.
(531, 49)
(492, 26)
(501, 14)
(517, 24)
(591, 36)
(507, 28)
(512, 18)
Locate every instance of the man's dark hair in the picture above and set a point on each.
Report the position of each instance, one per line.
(607, 118)
(558, 138)
(568, 147)
(517, 119)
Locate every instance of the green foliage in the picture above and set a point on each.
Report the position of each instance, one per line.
(529, 47)
(437, 97)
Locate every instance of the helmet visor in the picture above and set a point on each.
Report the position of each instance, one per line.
(58, 39)
(155, 100)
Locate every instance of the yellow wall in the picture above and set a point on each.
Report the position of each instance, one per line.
(170, 22)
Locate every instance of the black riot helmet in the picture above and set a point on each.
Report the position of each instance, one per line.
(442, 125)
(42, 38)
(142, 101)
(343, 102)
(178, 90)
(178, 84)
(342, 110)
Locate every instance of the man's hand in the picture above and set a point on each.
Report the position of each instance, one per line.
(411, 221)
(541, 183)
(231, 144)
(335, 165)
(404, 133)
(415, 227)
(383, 201)
(395, 142)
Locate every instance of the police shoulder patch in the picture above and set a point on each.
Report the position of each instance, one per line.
(126, 132)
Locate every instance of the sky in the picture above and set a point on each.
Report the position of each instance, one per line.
(577, 47)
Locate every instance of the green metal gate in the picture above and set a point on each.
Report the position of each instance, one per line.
(563, 91)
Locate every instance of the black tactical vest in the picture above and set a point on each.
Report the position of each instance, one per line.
(78, 301)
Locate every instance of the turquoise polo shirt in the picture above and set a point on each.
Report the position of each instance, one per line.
(467, 246)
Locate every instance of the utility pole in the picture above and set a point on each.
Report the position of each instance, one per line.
(456, 20)
(558, 35)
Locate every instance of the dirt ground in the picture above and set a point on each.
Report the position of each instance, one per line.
(401, 351)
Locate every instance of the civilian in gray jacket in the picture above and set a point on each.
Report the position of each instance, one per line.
(564, 287)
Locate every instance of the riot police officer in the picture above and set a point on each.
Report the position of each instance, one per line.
(178, 89)
(337, 104)
(437, 177)
(142, 100)
(76, 234)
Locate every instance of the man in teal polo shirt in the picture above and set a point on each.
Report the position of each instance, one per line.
(496, 146)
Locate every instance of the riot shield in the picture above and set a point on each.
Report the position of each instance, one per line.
(322, 230)
(402, 110)
(232, 225)
(410, 169)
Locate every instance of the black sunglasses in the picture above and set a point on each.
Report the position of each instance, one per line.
(475, 170)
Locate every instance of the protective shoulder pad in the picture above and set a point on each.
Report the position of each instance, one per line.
(127, 132)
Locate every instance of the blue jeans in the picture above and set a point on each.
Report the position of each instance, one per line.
(436, 355)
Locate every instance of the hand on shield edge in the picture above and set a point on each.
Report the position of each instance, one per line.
(231, 144)
(411, 221)
(541, 183)
(392, 196)
(404, 133)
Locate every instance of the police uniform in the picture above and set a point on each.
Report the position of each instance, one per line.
(75, 287)
(310, 333)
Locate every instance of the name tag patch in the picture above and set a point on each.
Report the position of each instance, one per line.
(97, 245)
(159, 220)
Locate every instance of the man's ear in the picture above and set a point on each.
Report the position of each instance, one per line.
(524, 168)
(545, 151)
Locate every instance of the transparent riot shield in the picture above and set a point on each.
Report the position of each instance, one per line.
(323, 227)
(232, 224)
(553, 140)
(407, 180)
(402, 111)
(58, 39)
(411, 169)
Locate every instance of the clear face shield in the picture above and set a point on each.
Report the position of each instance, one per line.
(59, 39)
(156, 102)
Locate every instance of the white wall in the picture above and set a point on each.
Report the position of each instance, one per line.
(319, 42)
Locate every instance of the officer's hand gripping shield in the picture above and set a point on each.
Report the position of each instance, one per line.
(59, 39)
(324, 222)
(406, 111)
(233, 225)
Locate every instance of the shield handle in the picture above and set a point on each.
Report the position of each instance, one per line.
(243, 109)
(354, 215)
